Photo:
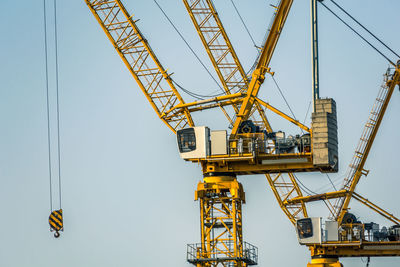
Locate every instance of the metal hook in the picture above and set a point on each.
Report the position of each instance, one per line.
(56, 234)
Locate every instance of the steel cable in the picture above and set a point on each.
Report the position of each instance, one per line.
(188, 45)
(245, 26)
(48, 103)
(363, 38)
(58, 104)
(362, 26)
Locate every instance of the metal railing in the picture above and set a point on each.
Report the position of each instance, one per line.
(256, 145)
(223, 251)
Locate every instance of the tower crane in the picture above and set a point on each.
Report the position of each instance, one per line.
(346, 236)
(252, 146)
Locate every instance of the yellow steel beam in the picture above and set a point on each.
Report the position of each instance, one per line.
(215, 105)
(140, 60)
(356, 249)
(376, 208)
(283, 115)
(222, 54)
(262, 66)
(217, 44)
(284, 188)
(369, 134)
(318, 197)
(205, 101)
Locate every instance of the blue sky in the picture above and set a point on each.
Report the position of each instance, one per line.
(127, 196)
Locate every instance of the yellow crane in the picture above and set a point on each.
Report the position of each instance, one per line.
(346, 236)
(251, 148)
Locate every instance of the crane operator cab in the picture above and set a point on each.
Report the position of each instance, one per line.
(194, 142)
(309, 230)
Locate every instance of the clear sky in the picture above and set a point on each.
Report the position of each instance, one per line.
(127, 196)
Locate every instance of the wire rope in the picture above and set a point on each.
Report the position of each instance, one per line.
(188, 45)
(245, 26)
(48, 103)
(362, 26)
(359, 35)
(283, 96)
(308, 110)
(57, 101)
(308, 190)
(329, 178)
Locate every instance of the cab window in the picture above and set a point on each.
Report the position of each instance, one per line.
(186, 140)
(305, 228)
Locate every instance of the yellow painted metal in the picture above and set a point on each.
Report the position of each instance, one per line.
(325, 262)
(283, 115)
(356, 249)
(56, 220)
(246, 164)
(356, 168)
(217, 44)
(141, 61)
(222, 54)
(376, 208)
(258, 75)
(156, 84)
(214, 99)
(228, 67)
(286, 187)
(221, 199)
(318, 197)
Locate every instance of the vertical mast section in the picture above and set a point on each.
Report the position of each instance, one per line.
(141, 61)
(221, 199)
(314, 51)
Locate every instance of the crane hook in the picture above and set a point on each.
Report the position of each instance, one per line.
(56, 234)
(56, 222)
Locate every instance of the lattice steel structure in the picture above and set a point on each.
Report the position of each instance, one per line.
(221, 199)
(141, 61)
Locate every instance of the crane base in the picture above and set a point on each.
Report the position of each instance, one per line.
(325, 262)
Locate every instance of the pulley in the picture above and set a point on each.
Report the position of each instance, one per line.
(56, 222)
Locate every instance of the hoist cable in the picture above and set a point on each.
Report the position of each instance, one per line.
(362, 26)
(333, 185)
(308, 190)
(195, 95)
(188, 45)
(48, 103)
(308, 110)
(283, 96)
(244, 24)
(58, 104)
(351, 28)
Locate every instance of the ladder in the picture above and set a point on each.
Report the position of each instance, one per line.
(356, 168)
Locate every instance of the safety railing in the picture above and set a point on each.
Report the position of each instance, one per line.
(259, 144)
(223, 251)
